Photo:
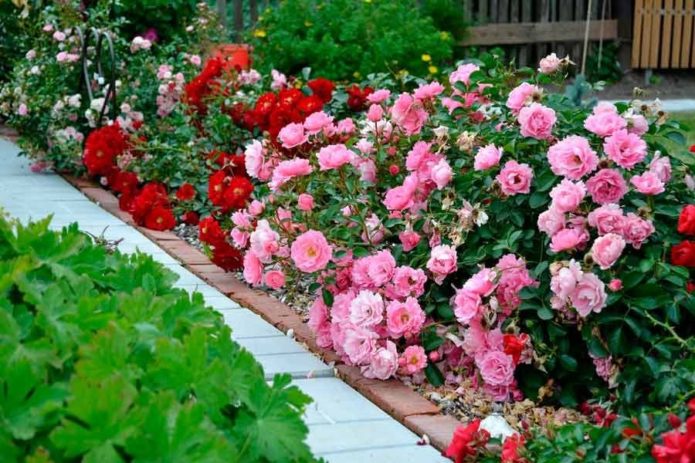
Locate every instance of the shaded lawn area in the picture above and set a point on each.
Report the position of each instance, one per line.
(687, 119)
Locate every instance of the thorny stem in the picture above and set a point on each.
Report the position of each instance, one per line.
(671, 331)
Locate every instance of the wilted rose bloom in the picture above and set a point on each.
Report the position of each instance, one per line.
(550, 64)
(607, 249)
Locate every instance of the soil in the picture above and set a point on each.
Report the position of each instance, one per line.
(663, 85)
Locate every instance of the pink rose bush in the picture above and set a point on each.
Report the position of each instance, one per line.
(468, 232)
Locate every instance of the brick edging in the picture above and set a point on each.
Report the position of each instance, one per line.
(395, 398)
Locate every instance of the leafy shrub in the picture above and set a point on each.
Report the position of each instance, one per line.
(340, 39)
(163, 19)
(102, 360)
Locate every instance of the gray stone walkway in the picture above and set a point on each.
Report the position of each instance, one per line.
(344, 426)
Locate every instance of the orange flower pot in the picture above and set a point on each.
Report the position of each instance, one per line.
(235, 55)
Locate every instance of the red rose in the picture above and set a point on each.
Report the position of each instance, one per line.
(690, 286)
(683, 254)
(210, 232)
(692, 148)
(152, 195)
(686, 221)
(465, 441)
(186, 192)
(228, 257)
(309, 105)
(322, 88)
(290, 96)
(190, 218)
(514, 346)
(160, 218)
(265, 104)
(238, 192)
(101, 148)
(124, 182)
(216, 186)
(511, 449)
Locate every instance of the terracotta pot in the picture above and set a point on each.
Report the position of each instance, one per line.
(235, 55)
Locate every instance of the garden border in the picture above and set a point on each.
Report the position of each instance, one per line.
(402, 403)
(395, 398)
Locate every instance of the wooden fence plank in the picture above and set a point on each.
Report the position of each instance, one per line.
(667, 33)
(687, 34)
(503, 13)
(637, 33)
(579, 15)
(483, 13)
(238, 18)
(646, 32)
(222, 11)
(655, 34)
(521, 33)
(692, 43)
(494, 11)
(677, 34)
(253, 7)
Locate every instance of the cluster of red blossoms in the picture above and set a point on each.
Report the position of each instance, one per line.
(224, 255)
(229, 187)
(151, 207)
(273, 111)
(684, 252)
(102, 147)
(357, 97)
(468, 441)
(204, 84)
(678, 444)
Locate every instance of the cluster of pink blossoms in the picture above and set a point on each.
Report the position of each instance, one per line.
(170, 89)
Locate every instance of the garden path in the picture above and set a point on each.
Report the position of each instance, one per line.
(343, 425)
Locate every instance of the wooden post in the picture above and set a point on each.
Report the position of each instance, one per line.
(253, 6)
(238, 19)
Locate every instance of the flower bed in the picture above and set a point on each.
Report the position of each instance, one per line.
(103, 360)
(484, 232)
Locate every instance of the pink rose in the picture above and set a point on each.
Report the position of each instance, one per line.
(375, 113)
(615, 285)
(367, 309)
(428, 91)
(463, 74)
(551, 221)
(515, 178)
(22, 110)
(408, 114)
(413, 360)
(607, 249)
(568, 239)
(441, 174)
(661, 166)
(256, 207)
(564, 280)
(442, 262)
(383, 364)
(274, 279)
(401, 197)
(648, 183)
(537, 121)
(381, 268)
(487, 157)
(253, 269)
(404, 318)
(254, 160)
(407, 282)
(572, 157)
(359, 343)
(240, 237)
(607, 186)
(334, 156)
(311, 252)
(409, 240)
(514, 277)
(637, 124)
(607, 219)
(287, 170)
(305, 202)
(605, 120)
(379, 96)
(467, 305)
(625, 149)
(636, 230)
(292, 135)
(550, 64)
(346, 126)
(523, 95)
(496, 368)
(264, 241)
(567, 195)
(319, 324)
(316, 122)
(482, 283)
(589, 295)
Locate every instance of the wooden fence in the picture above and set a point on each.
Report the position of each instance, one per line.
(530, 29)
(663, 34)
